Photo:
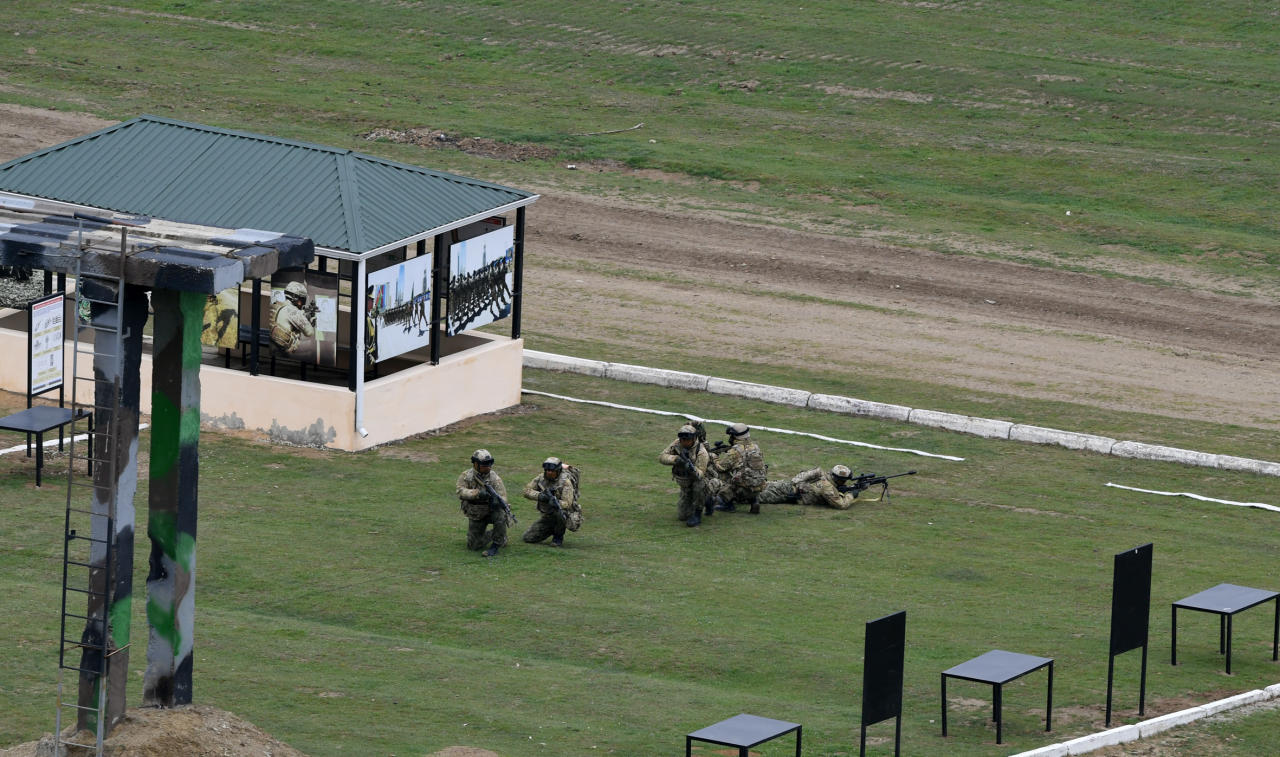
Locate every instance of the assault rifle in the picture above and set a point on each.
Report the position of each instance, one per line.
(868, 480)
(719, 447)
(688, 462)
(495, 497)
(555, 502)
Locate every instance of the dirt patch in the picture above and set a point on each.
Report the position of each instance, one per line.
(481, 146)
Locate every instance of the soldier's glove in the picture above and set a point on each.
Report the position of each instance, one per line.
(545, 497)
(682, 468)
(484, 498)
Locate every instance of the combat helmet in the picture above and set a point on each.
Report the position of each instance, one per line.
(841, 471)
(737, 429)
(296, 290)
(552, 463)
(687, 432)
(482, 457)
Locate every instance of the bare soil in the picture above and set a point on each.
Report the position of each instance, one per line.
(619, 271)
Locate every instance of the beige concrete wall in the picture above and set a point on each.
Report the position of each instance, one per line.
(484, 378)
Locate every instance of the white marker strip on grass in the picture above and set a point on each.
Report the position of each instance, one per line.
(760, 428)
(1199, 497)
(51, 442)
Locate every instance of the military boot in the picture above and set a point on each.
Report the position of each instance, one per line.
(694, 520)
(492, 551)
(755, 505)
(557, 541)
(708, 505)
(725, 507)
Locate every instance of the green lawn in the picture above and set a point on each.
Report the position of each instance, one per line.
(339, 610)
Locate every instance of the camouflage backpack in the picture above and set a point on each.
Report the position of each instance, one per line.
(751, 475)
(572, 511)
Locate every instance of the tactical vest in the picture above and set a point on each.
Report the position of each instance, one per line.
(753, 471)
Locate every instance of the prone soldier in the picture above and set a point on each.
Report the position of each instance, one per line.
(556, 493)
(738, 471)
(484, 502)
(688, 460)
(813, 487)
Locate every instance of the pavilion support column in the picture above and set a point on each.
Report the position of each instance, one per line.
(172, 499)
(114, 485)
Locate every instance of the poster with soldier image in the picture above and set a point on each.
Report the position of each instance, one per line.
(480, 280)
(304, 316)
(221, 327)
(398, 315)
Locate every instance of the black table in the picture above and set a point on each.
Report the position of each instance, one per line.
(743, 731)
(1225, 600)
(38, 420)
(997, 668)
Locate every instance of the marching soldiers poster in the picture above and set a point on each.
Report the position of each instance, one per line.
(480, 280)
(399, 308)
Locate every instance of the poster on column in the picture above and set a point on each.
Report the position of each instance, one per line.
(304, 316)
(221, 326)
(480, 280)
(47, 337)
(398, 315)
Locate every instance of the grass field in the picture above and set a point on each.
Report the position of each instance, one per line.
(335, 592)
(338, 609)
(1113, 137)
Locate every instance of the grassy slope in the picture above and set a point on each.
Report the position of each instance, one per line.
(335, 591)
(955, 126)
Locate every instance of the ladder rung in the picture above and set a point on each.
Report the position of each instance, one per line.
(82, 564)
(82, 645)
(80, 617)
(85, 670)
(89, 512)
(78, 707)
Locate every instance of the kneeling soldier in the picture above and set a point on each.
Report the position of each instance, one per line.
(688, 460)
(737, 472)
(556, 496)
(484, 502)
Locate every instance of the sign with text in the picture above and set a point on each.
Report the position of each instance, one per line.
(47, 338)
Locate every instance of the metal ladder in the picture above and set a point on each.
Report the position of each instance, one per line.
(83, 648)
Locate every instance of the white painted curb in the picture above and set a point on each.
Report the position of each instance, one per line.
(776, 394)
(963, 423)
(849, 406)
(641, 374)
(1086, 744)
(1070, 439)
(1142, 451)
(552, 362)
(985, 427)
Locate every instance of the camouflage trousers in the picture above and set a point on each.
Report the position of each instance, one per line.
(729, 493)
(693, 496)
(476, 537)
(547, 525)
(779, 493)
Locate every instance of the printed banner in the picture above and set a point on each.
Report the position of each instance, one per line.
(481, 279)
(304, 316)
(398, 311)
(222, 318)
(47, 337)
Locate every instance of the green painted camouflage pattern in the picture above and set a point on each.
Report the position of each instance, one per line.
(172, 497)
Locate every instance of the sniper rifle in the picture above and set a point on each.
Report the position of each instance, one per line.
(868, 480)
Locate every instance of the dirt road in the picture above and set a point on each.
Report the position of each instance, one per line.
(771, 295)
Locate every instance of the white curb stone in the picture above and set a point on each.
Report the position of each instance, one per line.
(1262, 467)
(849, 406)
(1239, 700)
(1086, 744)
(1020, 432)
(642, 375)
(1143, 451)
(1172, 720)
(965, 424)
(1273, 691)
(552, 362)
(776, 394)
(1052, 750)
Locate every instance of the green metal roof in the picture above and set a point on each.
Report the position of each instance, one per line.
(191, 173)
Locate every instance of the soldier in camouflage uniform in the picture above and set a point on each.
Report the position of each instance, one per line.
(813, 487)
(737, 473)
(292, 328)
(481, 509)
(553, 483)
(688, 460)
